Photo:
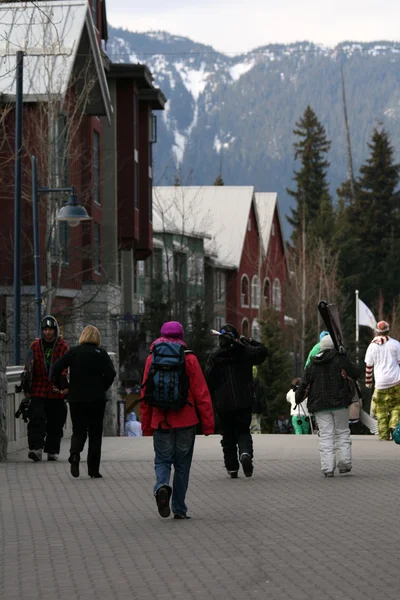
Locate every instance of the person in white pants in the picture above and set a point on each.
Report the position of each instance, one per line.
(325, 382)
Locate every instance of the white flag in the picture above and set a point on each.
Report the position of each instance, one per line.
(365, 316)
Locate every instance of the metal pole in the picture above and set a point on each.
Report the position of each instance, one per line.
(18, 206)
(357, 326)
(36, 245)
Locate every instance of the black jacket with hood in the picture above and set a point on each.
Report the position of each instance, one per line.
(229, 374)
(326, 381)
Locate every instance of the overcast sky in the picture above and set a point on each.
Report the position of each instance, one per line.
(238, 25)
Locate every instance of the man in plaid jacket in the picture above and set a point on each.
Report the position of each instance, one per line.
(47, 410)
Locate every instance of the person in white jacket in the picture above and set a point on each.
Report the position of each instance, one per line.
(382, 363)
(299, 413)
(132, 427)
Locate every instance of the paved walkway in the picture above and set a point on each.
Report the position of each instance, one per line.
(287, 533)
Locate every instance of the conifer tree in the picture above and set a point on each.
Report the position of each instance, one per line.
(219, 180)
(370, 232)
(275, 371)
(313, 201)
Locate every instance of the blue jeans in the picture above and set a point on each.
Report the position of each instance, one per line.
(174, 447)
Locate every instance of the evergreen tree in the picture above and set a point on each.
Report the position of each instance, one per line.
(369, 236)
(275, 371)
(219, 180)
(199, 339)
(313, 202)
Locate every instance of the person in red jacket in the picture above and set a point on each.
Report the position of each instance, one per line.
(174, 431)
(47, 410)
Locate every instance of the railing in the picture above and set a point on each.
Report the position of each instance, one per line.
(16, 429)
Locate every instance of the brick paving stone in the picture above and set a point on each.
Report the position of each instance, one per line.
(285, 534)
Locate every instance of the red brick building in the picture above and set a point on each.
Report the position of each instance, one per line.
(245, 268)
(90, 123)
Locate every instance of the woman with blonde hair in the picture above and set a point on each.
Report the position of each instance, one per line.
(91, 373)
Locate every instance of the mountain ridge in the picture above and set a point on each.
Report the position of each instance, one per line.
(237, 113)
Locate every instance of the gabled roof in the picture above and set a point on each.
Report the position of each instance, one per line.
(222, 212)
(55, 36)
(265, 204)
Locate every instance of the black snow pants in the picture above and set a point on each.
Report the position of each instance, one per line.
(236, 436)
(47, 418)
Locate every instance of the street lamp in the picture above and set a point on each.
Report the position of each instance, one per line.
(72, 213)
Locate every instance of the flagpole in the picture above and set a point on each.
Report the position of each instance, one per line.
(357, 325)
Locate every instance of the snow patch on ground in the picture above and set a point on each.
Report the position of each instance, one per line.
(218, 144)
(194, 80)
(179, 146)
(240, 69)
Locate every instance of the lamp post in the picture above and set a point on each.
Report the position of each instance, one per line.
(18, 206)
(72, 212)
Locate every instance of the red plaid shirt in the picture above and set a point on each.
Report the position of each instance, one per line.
(42, 386)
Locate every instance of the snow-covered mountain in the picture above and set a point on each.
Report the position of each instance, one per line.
(238, 113)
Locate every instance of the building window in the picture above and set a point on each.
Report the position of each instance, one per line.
(156, 262)
(219, 286)
(95, 13)
(256, 331)
(277, 295)
(245, 328)
(153, 129)
(255, 292)
(150, 199)
(96, 167)
(266, 291)
(140, 268)
(61, 150)
(218, 323)
(141, 305)
(59, 243)
(97, 249)
(199, 269)
(244, 291)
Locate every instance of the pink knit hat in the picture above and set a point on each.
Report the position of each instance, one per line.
(172, 329)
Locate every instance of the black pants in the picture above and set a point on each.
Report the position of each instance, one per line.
(236, 436)
(46, 421)
(87, 421)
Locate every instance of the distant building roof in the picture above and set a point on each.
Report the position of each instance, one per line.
(56, 37)
(266, 203)
(219, 213)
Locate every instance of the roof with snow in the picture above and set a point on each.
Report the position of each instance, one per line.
(222, 212)
(265, 203)
(57, 38)
(218, 213)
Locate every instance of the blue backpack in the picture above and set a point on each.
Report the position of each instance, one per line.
(167, 383)
(396, 434)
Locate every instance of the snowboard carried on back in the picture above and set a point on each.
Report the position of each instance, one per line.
(330, 316)
(167, 383)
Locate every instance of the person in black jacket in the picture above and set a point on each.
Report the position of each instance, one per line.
(230, 380)
(91, 373)
(326, 383)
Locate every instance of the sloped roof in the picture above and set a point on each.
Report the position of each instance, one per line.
(50, 34)
(266, 203)
(220, 212)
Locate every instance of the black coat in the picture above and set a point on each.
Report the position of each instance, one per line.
(229, 375)
(325, 381)
(91, 373)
